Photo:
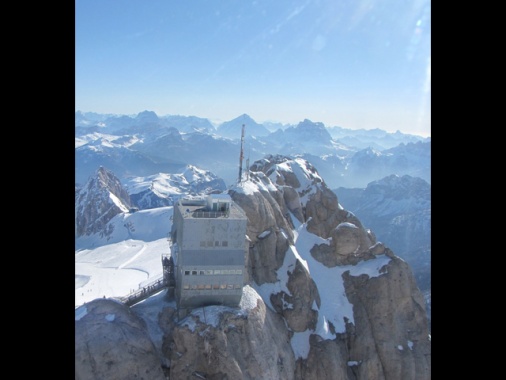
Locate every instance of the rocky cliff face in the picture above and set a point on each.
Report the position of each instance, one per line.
(112, 342)
(324, 299)
(398, 210)
(252, 343)
(102, 198)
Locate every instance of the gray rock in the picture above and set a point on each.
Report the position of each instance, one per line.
(111, 342)
(252, 344)
(390, 337)
(296, 307)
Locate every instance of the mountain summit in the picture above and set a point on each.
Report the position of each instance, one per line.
(232, 128)
(98, 202)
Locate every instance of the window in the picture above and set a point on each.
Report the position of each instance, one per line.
(208, 286)
(194, 272)
(223, 286)
(230, 286)
(186, 272)
(202, 243)
(216, 286)
(202, 272)
(186, 287)
(209, 271)
(224, 243)
(216, 243)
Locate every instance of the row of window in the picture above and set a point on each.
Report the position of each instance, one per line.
(211, 272)
(214, 244)
(209, 287)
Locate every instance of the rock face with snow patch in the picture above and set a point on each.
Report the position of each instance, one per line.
(398, 210)
(112, 343)
(102, 198)
(249, 343)
(297, 305)
(305, 194)
(385, 336)
(389, 314)
(269, 231)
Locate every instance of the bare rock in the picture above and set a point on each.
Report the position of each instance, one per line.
(323, 212)
(269, 232)
(378, 249)
(349, 244)
(293, 203)
(94, 207)
(390, 338)
(327, 359)
(252, 344)
(297, 307)
(111, 342)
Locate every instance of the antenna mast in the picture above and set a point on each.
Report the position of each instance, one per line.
(247, 169)
(241, 155)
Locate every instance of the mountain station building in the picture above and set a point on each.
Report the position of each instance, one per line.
(209, 247)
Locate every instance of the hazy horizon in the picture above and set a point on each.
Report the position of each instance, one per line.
(356, 65)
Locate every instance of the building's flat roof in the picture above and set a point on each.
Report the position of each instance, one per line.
(220, 196)
(193, 211)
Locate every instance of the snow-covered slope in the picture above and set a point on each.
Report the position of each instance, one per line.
(164, 189)
(130, 257)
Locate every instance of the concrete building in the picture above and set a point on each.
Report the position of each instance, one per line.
(208, 248)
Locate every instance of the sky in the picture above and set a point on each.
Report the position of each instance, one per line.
(130, 258)
(349, 63)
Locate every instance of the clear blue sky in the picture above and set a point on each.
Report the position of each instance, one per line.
(349, 63)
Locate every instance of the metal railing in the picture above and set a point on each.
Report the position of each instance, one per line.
(210, 214)
(144, 292)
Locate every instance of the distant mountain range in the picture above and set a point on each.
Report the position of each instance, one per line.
(146, 144)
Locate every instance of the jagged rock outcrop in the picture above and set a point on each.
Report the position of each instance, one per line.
(250, 343)
(111, 342)
(397, 327)
(268, 230)
(305, 194)
(299, 315)
(398, 210)
(327, 359)
(102, 198)
(402, 349)
(349, 243)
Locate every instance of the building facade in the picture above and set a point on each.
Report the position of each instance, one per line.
(208, 248)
